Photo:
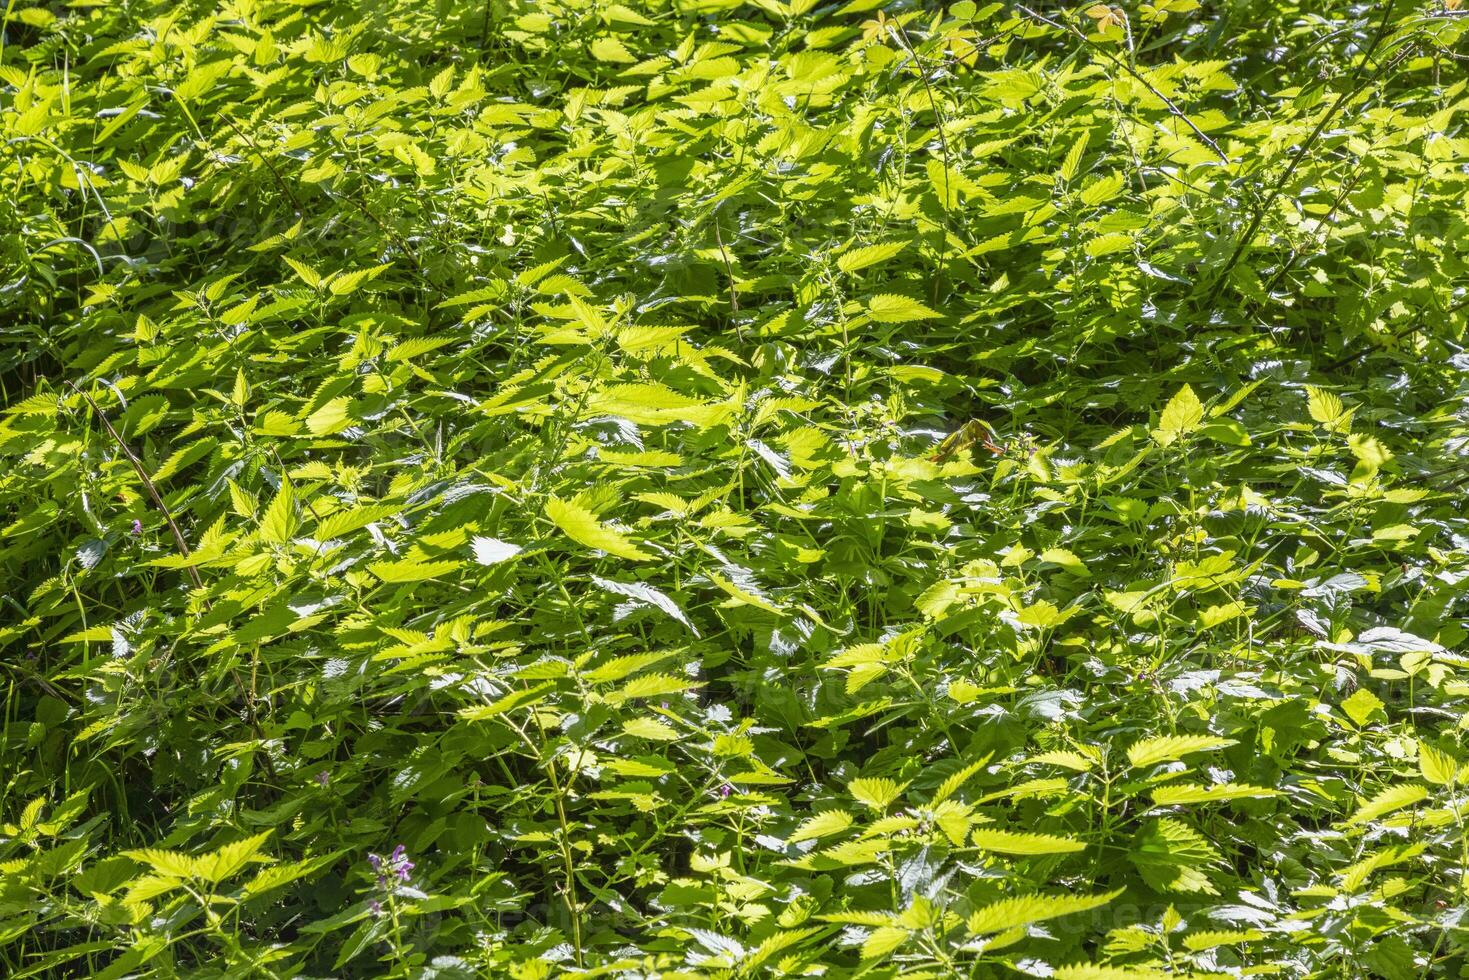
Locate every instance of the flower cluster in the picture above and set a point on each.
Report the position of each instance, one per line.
(392, 869)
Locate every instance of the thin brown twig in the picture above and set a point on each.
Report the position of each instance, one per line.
(734, 302)
(1173, 108)
(183, 546)
(901, 33)
(392, 235)
(1285, 267)
(279, 180)
(148, 484)
(1353, 89)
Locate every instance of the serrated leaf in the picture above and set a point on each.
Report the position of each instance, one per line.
(744, 594)
(823, 824)
(619, 667)
(1009, 842)
(279, 522)
(347, 521)
(1067, 760)
(1183, 414)
(1438, 768)
(582, 526)
(1166, 748)
(956, 780)
(1179, 794)
(1086, 971)
(169, 864)
(883, 941)
(647, 595)
(1361, 705)
(1389, 800)
(1172, 856)
(1023, 910)
(875, 793)
(507, 702)
(1071, 165)
(650, 686)
(330, 418)
(224, 862)
(1324, 406)
(864, 256)
(411, 569)
(650, 728)
(892, 308)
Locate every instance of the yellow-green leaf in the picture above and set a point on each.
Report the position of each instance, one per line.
(279, 522)
(1183, 414)
(1009, 842)
(582, 526)
(891, 308)
(411, 569)
(863, 256)
(1025, 909)
(1166, 748)
(875, 793)
(824, 824)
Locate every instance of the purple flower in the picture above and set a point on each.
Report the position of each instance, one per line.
(399, 863)
(395, 865)
(725, 791)
(375, 906)
(137, 527)
(322, 778)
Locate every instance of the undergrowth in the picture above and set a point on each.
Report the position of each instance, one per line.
(716, 489)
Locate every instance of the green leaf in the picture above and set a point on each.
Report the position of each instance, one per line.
(1227, 431)
(1361, 706)
(892, 308)
(1166, 748)
(1071, 166)
(823, 824)
(1023, 910)
(1171, 856)
(330, 418)
(515, 699)
(1007, 842)
(883, 941)
(279, 522)
(875, 793)
(412, 569)
(347, 521)
(1324, 406)
(1438, 768)
(1181, 416)
(224, 862)
(1390, 799)
(1086, 971)
(582, 526)
(864, 256)
(1179, 794)
(170, 864)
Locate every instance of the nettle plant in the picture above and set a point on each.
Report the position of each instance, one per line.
(718, 489)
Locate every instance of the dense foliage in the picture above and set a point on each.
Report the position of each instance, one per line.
(720, 489)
